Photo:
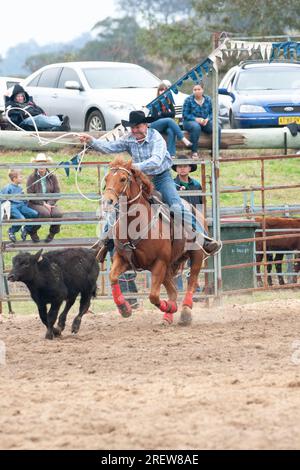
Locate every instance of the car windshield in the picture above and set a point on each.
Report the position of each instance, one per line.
(275, 78)
(135, 77)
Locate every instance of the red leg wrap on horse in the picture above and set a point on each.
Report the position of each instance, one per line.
(163, 305)
(117, 294)
(168, 306)
(172, 306)
(188, 299)
(168, 317)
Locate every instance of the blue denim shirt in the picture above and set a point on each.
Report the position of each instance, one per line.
(12, 188)
(150, 156)
(192, 110)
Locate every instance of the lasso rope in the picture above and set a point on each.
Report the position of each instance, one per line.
(117, 132)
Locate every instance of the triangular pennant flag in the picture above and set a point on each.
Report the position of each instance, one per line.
(207, 66)
(275, 50)
(75, 161)
(269, 51)
(199, 72)
(263, 50)
(169, 96)
(66, 167)
(164, 101)
(174, 89)
(193, 76)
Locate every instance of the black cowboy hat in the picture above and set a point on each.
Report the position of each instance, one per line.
(135, 118)
(184, 157)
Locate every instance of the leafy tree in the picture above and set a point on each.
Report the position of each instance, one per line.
(37, 61)
(254, 18)
(156, 11)
(185, 41)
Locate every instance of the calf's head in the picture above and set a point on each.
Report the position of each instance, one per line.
(24, 265)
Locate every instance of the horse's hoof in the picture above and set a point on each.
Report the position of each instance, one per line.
(167, 319)
(49, 335)
(125, 310)
(185, 316)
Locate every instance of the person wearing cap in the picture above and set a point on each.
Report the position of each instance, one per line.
(22, 111)
(18, 208)
(184, 182)
(150, 155)
(197, 117)
(41, 181)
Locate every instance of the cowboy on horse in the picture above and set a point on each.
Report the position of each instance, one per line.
(161, 254)
(150, 155)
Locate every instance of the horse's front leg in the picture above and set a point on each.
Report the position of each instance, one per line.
(158, 274)
(119, 266)
(172, 298)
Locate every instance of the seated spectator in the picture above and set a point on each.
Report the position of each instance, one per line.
(197, 117)
(18, 209)
(19, 102)
(41, 181)
(164, 123)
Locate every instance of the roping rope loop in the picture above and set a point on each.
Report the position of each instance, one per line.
(45, 141)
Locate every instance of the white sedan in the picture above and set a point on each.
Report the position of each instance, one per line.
(95, 95)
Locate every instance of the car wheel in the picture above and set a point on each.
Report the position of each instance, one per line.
(232, 121)
(95, 122)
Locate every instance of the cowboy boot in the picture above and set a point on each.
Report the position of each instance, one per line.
(102, 247)
(211, 246)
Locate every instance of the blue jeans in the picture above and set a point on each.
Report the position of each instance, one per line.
(169, 127)
(195, 130)
(165, 184)
(42, 121)
(22, 211)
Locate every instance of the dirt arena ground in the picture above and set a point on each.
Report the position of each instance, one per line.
(230, 381)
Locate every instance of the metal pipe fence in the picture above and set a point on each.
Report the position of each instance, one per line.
(212, 275)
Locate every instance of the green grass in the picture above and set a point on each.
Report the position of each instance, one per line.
(237, 174)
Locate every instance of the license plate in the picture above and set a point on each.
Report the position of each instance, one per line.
(288, 120)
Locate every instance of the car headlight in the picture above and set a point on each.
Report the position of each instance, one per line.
(121, 106)
(250, 108)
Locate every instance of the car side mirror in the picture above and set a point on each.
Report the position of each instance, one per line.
(73, 85)
(223, 91)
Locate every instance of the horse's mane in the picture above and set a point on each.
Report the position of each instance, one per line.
(146, 183)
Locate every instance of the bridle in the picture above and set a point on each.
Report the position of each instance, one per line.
(126, 185)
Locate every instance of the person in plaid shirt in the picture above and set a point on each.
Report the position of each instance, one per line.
(197, 116)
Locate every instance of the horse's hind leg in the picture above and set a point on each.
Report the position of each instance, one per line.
(119, 267)
(187, 304)
(278, 266)
(269, 269)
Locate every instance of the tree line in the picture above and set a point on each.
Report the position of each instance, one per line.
(169, 37)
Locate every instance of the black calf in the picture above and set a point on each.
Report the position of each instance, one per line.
(57, 276)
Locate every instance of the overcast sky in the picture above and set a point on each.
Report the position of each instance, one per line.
(52, 21)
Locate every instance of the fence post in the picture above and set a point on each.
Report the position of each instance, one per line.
(216, 185)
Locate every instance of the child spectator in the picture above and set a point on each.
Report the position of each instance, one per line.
(19, 208)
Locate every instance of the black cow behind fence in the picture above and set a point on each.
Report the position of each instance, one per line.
(55, 277)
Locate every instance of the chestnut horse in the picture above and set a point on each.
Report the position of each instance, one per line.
(157, 253)
(285, 226)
